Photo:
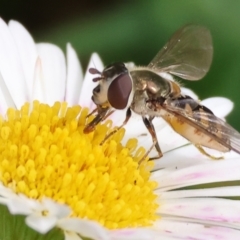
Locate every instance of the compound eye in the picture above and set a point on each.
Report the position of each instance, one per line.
(119, 91)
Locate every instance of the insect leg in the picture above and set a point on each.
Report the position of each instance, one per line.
(102, 112)
(200, 148)
(97, 109)
(128, 115)
(151, 129)
(92, 112)
(111, 112)
(157, 144)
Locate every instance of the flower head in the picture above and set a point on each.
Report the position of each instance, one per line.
(57, 176)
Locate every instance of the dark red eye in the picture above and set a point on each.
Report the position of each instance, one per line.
(119, 91)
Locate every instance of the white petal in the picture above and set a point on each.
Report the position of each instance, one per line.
(204, 223)
(132, 234)
(88, 84)
(189, 155)
(6, 192)
(203, 192)
(17, 206)
(10, 66)
(38, 92)
(85, 228)
(130, 65)
(71, 236)
(117, 119)
(6, 100)
(187, 230)
(27, 51)
(20, 204)
(169, 139)
(220, 106)
(40, 223)
(74, 77)
(189, 93)
(181, 157)
(56, 209)
(211, 209)
(167, 76)
(135, 127)
(214, 171)
(54, 72)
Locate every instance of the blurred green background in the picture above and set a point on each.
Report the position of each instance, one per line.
(136, 30)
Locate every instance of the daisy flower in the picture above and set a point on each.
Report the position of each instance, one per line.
(58, 183)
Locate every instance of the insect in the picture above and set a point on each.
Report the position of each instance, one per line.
(150, 93)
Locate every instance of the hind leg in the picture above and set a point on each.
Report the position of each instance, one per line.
(200, 148)
(151, 129)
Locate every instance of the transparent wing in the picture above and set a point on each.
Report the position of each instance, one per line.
(203, 119)
(188, 54)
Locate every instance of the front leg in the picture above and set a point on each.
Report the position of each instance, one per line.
(151, 129)
(128, 115)
(102, 113)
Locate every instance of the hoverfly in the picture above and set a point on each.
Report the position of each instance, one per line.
(148, 92)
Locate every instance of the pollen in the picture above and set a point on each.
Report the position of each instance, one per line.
(44, 153)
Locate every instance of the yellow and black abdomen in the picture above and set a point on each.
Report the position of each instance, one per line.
(196, 123)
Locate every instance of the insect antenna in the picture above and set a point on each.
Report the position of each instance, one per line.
(94, 71)
(97, 79)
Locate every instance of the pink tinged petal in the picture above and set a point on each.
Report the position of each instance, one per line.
(74, 77)
(209, 209)
(27, 51)
(189, 93)
(6, 100)
(214, 171)
(132, 234)
(220, 106)
(54, 72)
(178, 229)
(88, 85)
(233, 191)
(38, 92)
(10, 66)
(203, 222)
(85, 228)
(41, 224)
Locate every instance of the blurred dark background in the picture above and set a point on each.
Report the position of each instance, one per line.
(136, 30)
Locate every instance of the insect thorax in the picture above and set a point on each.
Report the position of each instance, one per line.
(148, 85)
(147, 80)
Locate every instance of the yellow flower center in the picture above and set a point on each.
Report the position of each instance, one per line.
(44, 153)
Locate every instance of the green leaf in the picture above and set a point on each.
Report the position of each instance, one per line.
(13, 227)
